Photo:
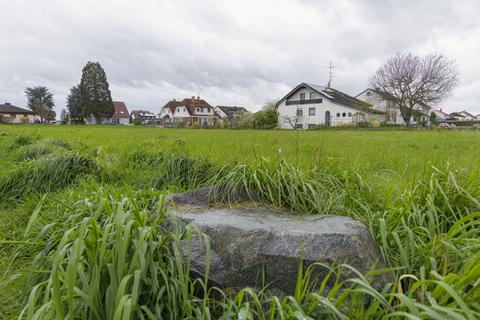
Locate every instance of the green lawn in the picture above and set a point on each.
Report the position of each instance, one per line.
(418, 192)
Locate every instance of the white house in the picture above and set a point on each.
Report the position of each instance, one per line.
(187, 111)
(440, 115)
(227, 112)
(310, 105)
(468, 116)
(421, 113)
(12, 114)
(144, 116)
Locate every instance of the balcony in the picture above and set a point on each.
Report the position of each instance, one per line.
(310, 101)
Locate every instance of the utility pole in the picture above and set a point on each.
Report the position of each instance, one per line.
(330, 74)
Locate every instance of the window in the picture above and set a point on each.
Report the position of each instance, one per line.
(198, 109)
(302, 96)
(311, 111)
(349, 114)
(344, 114)
(312, 95)
(299, 112)
(338, 114)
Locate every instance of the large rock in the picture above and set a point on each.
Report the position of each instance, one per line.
(249, 243)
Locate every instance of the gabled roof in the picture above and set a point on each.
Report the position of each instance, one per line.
(231, 111)
(467, 113)
(387, 96)
(142, 113)
(189, 103)
(456, 114)
(8, 108)
(333, 95)
(121, 110)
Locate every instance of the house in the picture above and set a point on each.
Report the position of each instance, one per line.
(456, 116)
(188, 111)
(379, 102)
(477, 117)
(467, 115)
(143, 117)
(12, 114)
(440, 115)
(309, 105)
(121, 115)
(229, 113)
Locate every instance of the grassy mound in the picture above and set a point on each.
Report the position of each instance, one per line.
(45, 174)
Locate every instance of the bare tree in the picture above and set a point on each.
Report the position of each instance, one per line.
(410, 81)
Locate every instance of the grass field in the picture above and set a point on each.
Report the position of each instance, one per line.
(418, 192)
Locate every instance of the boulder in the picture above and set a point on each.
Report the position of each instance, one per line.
(253, 247)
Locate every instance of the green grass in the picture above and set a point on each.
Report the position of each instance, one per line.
(78, 239)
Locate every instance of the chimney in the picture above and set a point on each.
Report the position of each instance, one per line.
(193, 98)
(198, 97)
(174, 100)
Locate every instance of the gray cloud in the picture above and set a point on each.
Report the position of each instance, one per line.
(229, 52)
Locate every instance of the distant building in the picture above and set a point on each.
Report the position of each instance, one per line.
(393, 115)
(144, 116)
(309, 105)
(228, 113)
(188, 111)
(120, 115)
(13, 114)
(440, 115)
(468, 116)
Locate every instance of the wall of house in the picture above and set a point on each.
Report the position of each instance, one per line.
(221, 114)
(17, 117)
(339, 114)
(380, 104)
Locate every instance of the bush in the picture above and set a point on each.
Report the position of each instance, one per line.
(196, 125)
(179, 124)
(137, 121)
(24, 120)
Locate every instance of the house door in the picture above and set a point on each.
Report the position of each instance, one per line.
(327, 118)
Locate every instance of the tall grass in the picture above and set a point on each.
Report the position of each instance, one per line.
(44, 174)
(107, 255)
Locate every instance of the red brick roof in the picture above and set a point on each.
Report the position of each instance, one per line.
(121, 110)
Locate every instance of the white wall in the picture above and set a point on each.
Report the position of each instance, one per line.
(17, 117)
(220, 113)
(290, 111)
(380, 104)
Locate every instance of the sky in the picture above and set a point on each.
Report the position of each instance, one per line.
(240, 53)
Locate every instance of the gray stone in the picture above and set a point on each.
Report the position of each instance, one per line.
(215, 194)
(248, 244)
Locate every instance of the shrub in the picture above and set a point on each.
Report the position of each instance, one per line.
(197, 125)
(179, 124)
(137, 121)
(24, 120)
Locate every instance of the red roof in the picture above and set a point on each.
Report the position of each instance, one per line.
(121, 110)
(189, 103)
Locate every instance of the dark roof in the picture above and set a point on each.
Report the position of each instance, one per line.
(141, 113)
(189, 103)
(456, 114)
(121, 110)
(231, 111)
(8, 108)
(467, 113)
(335, 96)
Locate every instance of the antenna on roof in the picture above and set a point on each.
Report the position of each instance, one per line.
(330, 73)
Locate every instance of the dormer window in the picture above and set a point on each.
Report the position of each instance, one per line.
(302, 96)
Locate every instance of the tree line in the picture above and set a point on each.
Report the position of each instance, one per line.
(90, 98)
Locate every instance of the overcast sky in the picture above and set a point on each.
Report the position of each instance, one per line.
(228, 52)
